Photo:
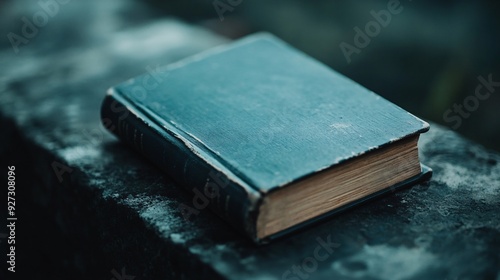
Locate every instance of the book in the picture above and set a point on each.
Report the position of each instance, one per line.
(267, 137)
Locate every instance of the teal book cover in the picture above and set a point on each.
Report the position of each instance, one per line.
(257, 129)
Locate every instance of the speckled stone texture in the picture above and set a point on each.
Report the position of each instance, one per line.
(91, 208)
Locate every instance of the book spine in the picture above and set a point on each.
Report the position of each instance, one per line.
(210, 188)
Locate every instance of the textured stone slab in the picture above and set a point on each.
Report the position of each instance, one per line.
(116, 214)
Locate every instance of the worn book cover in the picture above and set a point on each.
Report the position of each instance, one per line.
(247, 125)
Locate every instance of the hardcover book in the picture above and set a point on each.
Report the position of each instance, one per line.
(264, 135)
